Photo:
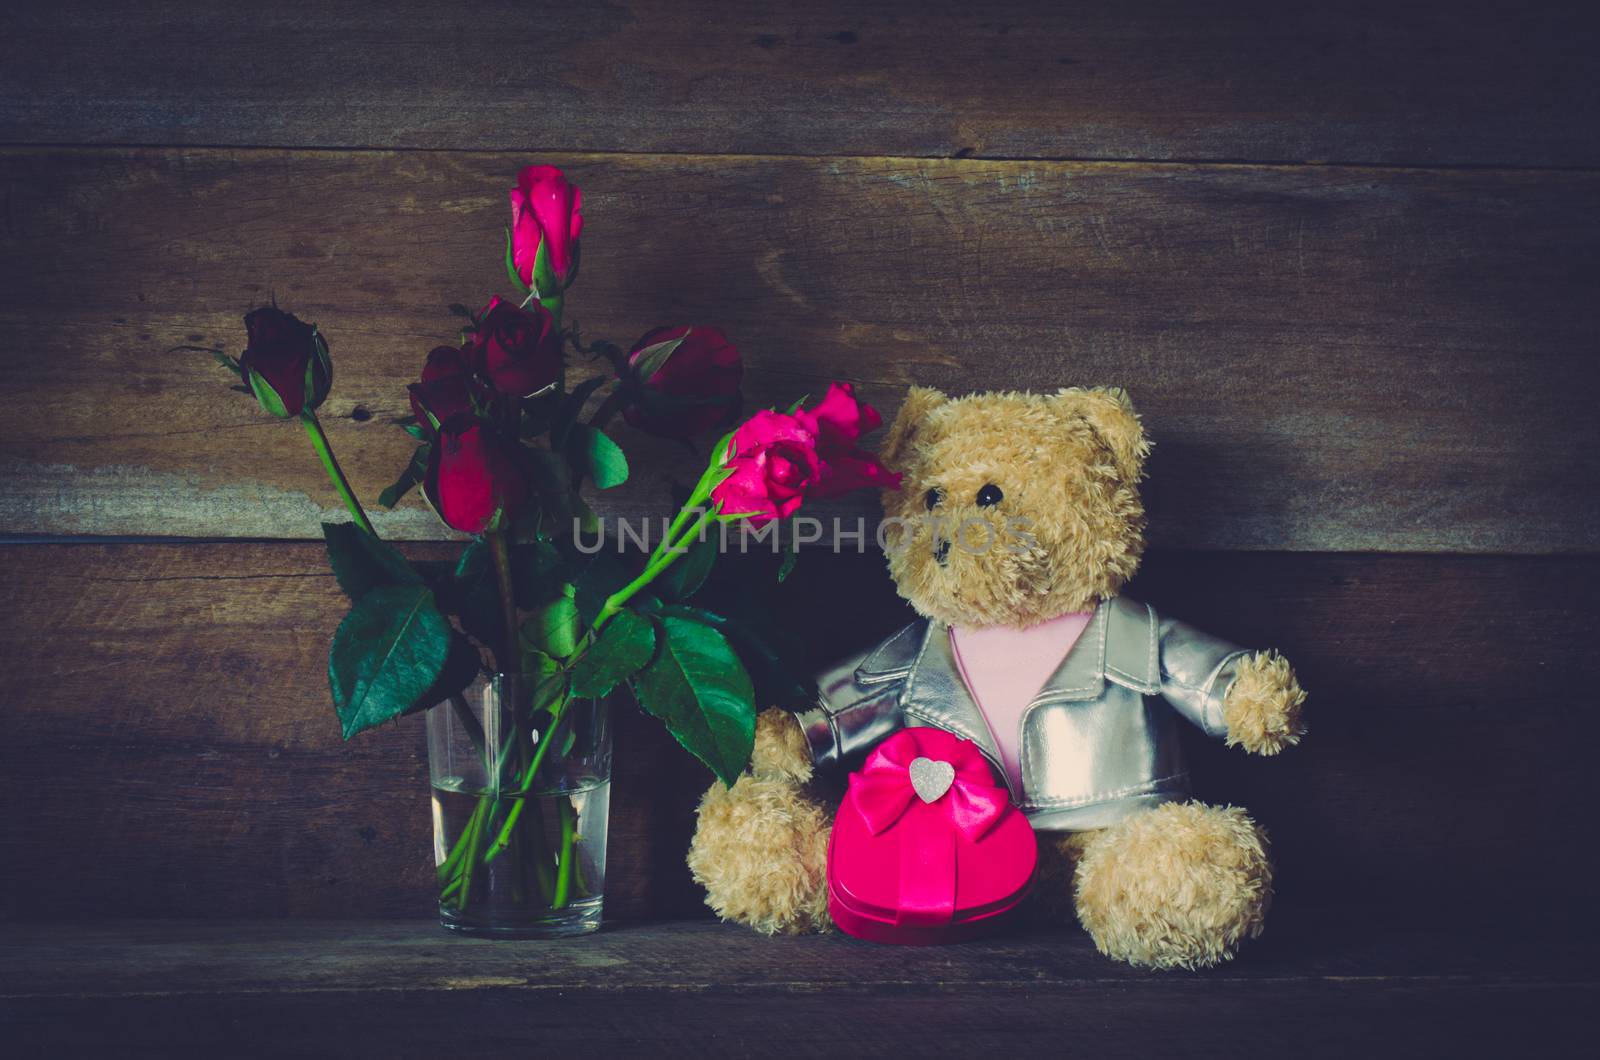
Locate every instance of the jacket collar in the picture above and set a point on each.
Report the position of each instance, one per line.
(1119, 645)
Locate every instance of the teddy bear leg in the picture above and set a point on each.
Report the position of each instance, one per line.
(760, 848)
(1179, 886)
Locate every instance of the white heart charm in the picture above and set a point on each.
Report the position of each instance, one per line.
(931, 779)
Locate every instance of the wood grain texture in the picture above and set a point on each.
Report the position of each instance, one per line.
(1314, 987)
(1328, 358)
(1470, 81)
(171, 750)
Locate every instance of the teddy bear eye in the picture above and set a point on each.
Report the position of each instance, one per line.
(990, 495)
(933, 498)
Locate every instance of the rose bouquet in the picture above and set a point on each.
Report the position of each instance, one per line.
(518, 644)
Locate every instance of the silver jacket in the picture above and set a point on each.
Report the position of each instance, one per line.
(1094, 749)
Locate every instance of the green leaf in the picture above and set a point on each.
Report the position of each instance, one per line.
(652, 357)
(230, 363)
(699, 689)
(553, 628)
(511, 268)
(544, 272)
(410, 477)
(410, 425)
(776, 683)
(594, 585)
(790, 558)
(552, 484)
(387, 653)
(594, 452)
(462, 665)
(362, 563)
(625, 644)
(473, 595)
(537, 573)
(688, 572)
(475, 559)
(571, 406)
(267, 397)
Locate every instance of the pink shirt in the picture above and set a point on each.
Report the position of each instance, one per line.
(1004, 668)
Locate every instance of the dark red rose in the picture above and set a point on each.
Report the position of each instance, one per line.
(694, 389)
(473, 481)
(517, 350)
(445, 389)
(286, 363)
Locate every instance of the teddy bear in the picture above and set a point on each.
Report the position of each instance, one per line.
(1017, 522)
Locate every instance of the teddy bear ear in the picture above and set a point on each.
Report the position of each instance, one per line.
(908, 425)
(1110, 412)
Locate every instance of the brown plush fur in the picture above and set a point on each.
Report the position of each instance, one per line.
(1176, 886)
(1068, 530)
(1179, 886)
(761, 853)
(780, 752)
(1262, 706)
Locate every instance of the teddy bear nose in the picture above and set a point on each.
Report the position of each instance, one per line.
(941, 553)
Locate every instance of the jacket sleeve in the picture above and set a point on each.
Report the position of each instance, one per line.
(858, 705)
(1196, 670)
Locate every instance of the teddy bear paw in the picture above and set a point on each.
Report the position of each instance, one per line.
(760, 850)
(1262, 707)
(1179, 886)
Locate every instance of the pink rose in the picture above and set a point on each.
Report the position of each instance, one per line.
(774, 460)
(473, 481)
(840, 421)
(545, 214)
(517, 350)
(693, 389)
(777, 458)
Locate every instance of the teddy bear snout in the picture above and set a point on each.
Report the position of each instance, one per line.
(941, 552)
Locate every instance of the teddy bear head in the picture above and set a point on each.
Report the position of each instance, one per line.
(1014, 507)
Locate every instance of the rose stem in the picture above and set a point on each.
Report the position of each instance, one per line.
(532, 831)
(612, 605)
(508, 603)
(568, 836)
(319, 441)
(660, 562)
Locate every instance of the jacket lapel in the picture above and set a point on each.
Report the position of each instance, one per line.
(935, 694)
(1082, 674)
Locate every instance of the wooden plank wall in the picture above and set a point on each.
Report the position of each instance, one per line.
(1344, 259)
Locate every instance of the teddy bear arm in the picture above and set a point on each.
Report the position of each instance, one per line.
(1248, 699)
(1262, 705)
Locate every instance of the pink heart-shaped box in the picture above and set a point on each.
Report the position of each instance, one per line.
(903, 870)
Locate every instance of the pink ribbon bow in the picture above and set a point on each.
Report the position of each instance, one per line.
(883, 793)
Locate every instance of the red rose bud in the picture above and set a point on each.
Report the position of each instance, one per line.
(473, 481)
(693, 381)
(773, 457)
(445, 389)
(286, 363)
(840, 421)
(545, 222)
(517, 350)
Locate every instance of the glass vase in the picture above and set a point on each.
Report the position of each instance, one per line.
(521, 793)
